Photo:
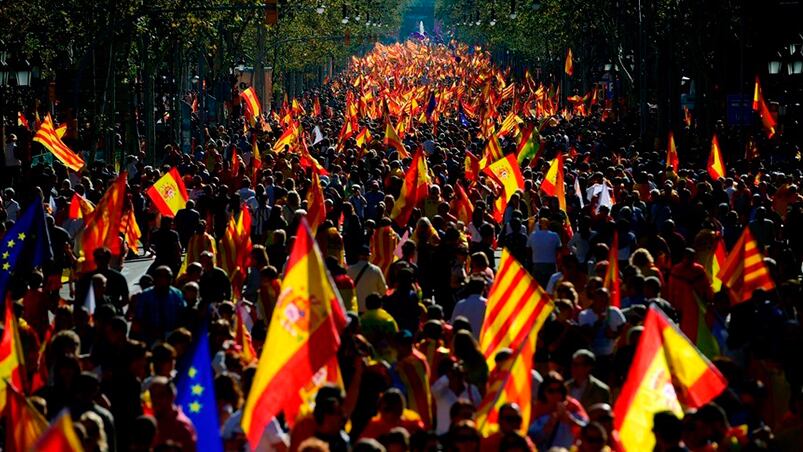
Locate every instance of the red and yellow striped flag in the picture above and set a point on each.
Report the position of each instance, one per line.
(11, 355)
(316, 107)
(288, 138)
(760, 106)
(392, 140)
(80, 207)
(316, 209)
(130, 229)
(251, 102)
(568, 66)
(414, 190)
(716, 167)
(60, 437)
(363, 138)
(22, 121)
(744, 271)
(102, 228)
(242, 335)
(461, 206)
(672, 159)
(492, 152)
(46, 135)
(383, 243)
(517, 309)
(235, 249)
(611, 281)
(25, 424)
(553, 185)
(168, 193)
(304, 335)
(667, 371)
(507, 173)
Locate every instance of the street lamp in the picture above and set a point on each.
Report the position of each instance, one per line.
(345, 19)
(240, 66)
(774, 67)
(795, 68)
(320, 9)
(513, 13)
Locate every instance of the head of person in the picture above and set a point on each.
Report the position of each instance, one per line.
(163, 396)
(464, 436)
(668, 431)
(391, 405)
(162, 278)
(207, 260)
(593, 438)
(509, 418)
(552, 390)
(582, 364)
(373, 301)
(601, 300)
(329, 415)
(102, 257)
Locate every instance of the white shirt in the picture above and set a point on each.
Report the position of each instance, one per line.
(445, 398)
(372, 280)
(544, 245)
(472, 308)
(271, 436)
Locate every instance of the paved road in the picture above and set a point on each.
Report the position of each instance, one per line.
(132, 270)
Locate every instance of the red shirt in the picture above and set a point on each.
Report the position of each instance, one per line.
(176, 427)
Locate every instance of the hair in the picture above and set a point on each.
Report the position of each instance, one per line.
(551, 378)
(641, 258)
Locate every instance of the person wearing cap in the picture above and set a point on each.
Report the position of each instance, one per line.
(367, 277)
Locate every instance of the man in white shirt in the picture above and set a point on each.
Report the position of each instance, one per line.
(544, 245)
(473, 306)
(367, 277)
(447, 390)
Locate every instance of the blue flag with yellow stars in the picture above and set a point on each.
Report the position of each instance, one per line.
(24, 246)
(196, 394)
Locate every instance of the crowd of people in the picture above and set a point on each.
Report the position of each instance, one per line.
(416, 292)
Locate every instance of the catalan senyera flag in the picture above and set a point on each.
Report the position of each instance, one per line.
(60, 436)
(103, 227)
(672, 159)
(507, 173)
(663, 356)
(316, 209)
(130, 229)
(492, 152)
(24, 423)
(611, 281)
(168, 193)
(251, 102)
(716, 167)
(516, 307)
(383, 243)
(744, 270)
(304, 335)
(760, 106)
(46, 135)
(392, 140)
(235, 249)
(414, 190)
(568, 66)
(61, 130)
(11, 355)
(461, 205)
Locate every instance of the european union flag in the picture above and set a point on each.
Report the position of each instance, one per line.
(24, 246)
(196, 395)
(462, 116)
(431, 105)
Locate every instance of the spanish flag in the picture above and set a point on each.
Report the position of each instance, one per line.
(744, 271)
(24, 423)
(392, 140)
(46, 135)
(461, 206)
(414, 190)
(11, 355)
(553, 185)
(103, 227)
(316, 209)
(288, 138)
(80, 207)
(168, 193)
(130, 229)
(716, 168)
(316, 107)
(517, 309)
(672, 159)
(568, 67)
(60, 437)
(611, 281)
(304, 335)
(251, 102)
(363, 138)
(667, 373)
(507, 173)
(760, 106)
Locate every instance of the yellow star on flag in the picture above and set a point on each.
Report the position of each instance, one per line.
(192, 372)
(11, 243)
(5, 255)
(197, 390)
(6, 266)
(21, 236)
(195, 407)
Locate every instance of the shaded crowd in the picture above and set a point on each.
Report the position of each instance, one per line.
(416, 293)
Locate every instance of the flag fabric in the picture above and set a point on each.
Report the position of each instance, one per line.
(554, 185)
(516, 306)
(24, 246)
(716, 168)
(318, 135)
(130, 230)
(12, 372)
(235, 249)
(363, 138)
(577, 192)
(392, 140)
(242, 333)
(383, 242)
(492, 152)
(461, 206)
(316, 107)
(303, 402)
(611, 281)
(80, 207)
(103, 227)
(304, 335)
(568, 66)
(667, 373)
(316, 209)
(287, 138)
(89, 301)
(195, 393)
(672, 160)
(526, 148)
(760, 106)
(414, 190)
(744, 270)
(472, 166)
(413, 374)
(168, 193)
(24, 423)
(22, 121)
(60, 436)
(507, 173)
(713, 261)
(61, 131)
(251, 102)
(47, 137)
